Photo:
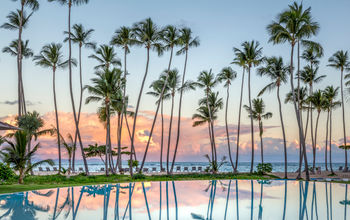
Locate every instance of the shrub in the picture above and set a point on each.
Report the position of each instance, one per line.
(138, 176)
(6, 172)
(135, 163)
(264, 168)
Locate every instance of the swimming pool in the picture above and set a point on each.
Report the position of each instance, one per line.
(215, 199)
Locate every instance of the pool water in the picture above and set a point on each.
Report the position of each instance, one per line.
(216, 199)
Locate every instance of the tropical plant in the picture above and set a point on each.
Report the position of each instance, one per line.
(51, 57)
(17, 155)
(292, 25)
(340, 61)
(81, 37)
(71, 3)
(227, 75)
(95, 150)
(6, 172)
(148, 35)
(252, 56)
(278, 73)
(257, 112)
(263, 168)
(186, 41)
(214, 166)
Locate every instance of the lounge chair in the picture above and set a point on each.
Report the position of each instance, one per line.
(102, 169)
(163, 170)
(48, 169)
(126, 170)
(318, 170)
(137, 169)
(340, 168)
(345, 179)
(154, 169)
(81, 169)
(200, 169)
(41, 169)
(55, 169)
(145, 170)
(178, 169)
(185, 169)
(193, 169)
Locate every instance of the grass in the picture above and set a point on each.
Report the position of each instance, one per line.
(54, 181)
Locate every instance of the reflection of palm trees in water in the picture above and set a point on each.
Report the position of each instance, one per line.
(227, 198)
(262, 183)
(303, 198)
(285, 200)
(345, 202)
(251, 199)
(314, 202)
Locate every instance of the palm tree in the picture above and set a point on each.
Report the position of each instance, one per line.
(106, 57)
(157, 87)
(18, 22)
(81, 37)
(340, 61)
(207, 113)
(331, 94)
(17, 155)
(317, 100)
(278, 73)
(240, 61)
(292, 25)
(70, 3)
(186, 41)
(257, 112)
(12, 49)
(326, 108)
(70, 148)
(208, 81)
(105, 85)
(252, 55)
(148, 35)
(226, 75)
(51, 57)
(124, 37)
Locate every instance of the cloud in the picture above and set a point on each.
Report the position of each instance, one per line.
(28, 103)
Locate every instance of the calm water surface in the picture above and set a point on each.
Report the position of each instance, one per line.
(226, 199)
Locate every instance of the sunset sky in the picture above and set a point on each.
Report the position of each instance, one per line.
(220, 25)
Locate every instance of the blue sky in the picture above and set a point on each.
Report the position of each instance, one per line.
(220, 25)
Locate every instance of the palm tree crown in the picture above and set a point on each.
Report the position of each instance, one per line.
(12, 49)
(51, 56)
(148, 34)
(81, 36)
(186, 40)
(106, 56)
(14, 20)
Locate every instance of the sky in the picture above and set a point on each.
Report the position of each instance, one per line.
(220, 26)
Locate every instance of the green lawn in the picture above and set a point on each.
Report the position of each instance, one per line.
(54, 181)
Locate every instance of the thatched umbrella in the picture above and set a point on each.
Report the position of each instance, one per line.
(5, 126)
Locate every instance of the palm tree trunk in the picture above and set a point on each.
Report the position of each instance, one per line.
(128, 128)
(239, 120)
(211, 126)
(57, 124)
(227, 133)
(312, 132)
(80, 101)
(317, 119)
(119, 142)
(107, 141)
(71, 88)
(162, 138)
(211, 142)
(251, 122)
(19, 62)
(326, 150)
(169, 135)
(283, 132)
(330, 139)
(214, 144)
(261, 142)
(300, 126)
(343, 113)
(136, 113)
(179, 114)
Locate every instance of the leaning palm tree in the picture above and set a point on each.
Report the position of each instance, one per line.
(240, 61)
(278, 73)
(147, 34)
(257, 112)
(294, 24)
(105, 85)
(70, 3)
(331, 94)
(18, 22)
(157, 87)
(51, 57)
(186, 41)
(318, 102)
(340, 61)
(81, 37)
(227, 75)
(16, 154)
(252, 55)
(124, 37)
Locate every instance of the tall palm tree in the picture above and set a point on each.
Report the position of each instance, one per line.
(147, 34)
(278, 73)
(257, 112)
(227, 75)
(294, 24)
(326, 108)
(340, 61)
(186, 41)
(51, 57)
(71, 3)
(240, 61)
(106, 57)
(124, 37)
(317, 100)
(157, 87)
(17, 155)
(81, 37)
(105, 85)
(252, 55)
(331, 94)
(21, 20)
(13, 50)
(208, 81)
